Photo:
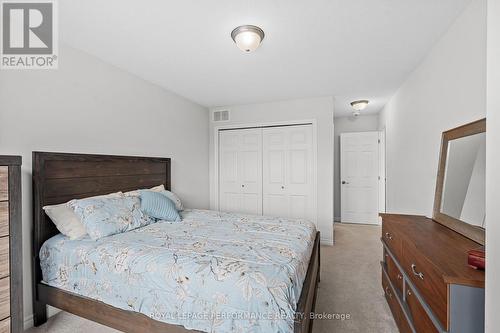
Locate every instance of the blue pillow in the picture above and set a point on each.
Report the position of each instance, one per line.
(157, 205)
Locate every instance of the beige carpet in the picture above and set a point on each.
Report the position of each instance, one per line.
(350, 285)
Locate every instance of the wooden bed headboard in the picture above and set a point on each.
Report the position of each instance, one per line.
(60, 177)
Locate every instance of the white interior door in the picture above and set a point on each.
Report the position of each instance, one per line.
(359, 177)
(240, 171)
(288, 171)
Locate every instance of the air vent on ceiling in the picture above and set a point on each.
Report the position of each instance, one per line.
(220, 115)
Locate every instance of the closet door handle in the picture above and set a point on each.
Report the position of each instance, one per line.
(344, 182)
(242, 185)
(282, 187)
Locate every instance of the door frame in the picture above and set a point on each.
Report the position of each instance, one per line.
(382, 207)
(311, 122)
(381, 173)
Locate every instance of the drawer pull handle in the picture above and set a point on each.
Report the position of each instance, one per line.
(419, 274)
(400, 277)
(387, 292)
(388, 236)
(409, 293)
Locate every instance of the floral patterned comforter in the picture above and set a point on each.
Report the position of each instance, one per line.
(213, 272)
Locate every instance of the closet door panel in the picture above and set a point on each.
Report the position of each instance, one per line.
(275, 197)
(251, 170)
(240, 171)
(288, 173)
(300, 172)
(299, 206)
(229, 187)
(230, 202)
(276, 205)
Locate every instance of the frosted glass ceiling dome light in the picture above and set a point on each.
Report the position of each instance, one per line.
(359, 105)
(247, 37)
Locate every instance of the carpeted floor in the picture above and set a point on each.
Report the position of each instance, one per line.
(350, 285)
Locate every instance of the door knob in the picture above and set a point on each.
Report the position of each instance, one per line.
(344, 182)
(243, 185)
(282, 187)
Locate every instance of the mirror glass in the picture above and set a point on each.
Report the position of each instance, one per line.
(464, 187)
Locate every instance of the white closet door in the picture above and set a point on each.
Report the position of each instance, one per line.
(240, 167)
(288, 171)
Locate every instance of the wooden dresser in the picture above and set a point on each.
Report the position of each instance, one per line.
(11, 283)
(425, 277)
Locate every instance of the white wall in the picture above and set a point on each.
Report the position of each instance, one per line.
(320, 109)
(492, 167)
(446, 90)
(91, 107)
(346, 125)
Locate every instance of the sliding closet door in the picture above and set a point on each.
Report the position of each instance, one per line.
(240, 171)
(288, 171)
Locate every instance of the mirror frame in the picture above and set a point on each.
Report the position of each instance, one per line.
(475, 233)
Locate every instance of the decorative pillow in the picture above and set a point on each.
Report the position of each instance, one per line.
(67, 222)
(109, 216)
(172, 196)
(161, 188)
(157, 205)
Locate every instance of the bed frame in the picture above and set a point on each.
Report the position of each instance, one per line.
(60, 177)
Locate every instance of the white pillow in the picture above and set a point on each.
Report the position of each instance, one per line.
(172, 196)
(66, 221)
(136, 193)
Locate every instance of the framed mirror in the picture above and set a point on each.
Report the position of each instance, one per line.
(460, 198)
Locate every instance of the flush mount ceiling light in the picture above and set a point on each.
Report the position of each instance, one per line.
(358, 106)
(247, 37)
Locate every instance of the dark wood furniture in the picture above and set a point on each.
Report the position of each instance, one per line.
(426, 279)
(59, 177)
(11, 274)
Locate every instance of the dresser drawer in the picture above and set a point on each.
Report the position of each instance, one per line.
(391, 238)
(421, 320)
(4, 298)
(394, 273)
(395, 307)
(5, 326)
(428, 280)
(4, 257)
(4, 183)
(4, 218)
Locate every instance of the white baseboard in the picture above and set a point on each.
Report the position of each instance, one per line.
(28, 322)
(326, 241)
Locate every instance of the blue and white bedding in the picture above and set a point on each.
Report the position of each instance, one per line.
(213, 272)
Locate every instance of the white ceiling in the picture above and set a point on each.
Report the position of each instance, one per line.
(349, 49)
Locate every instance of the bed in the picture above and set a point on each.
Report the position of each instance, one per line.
(214, 272)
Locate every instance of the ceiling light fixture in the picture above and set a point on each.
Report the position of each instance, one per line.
(359, 106)
(247, 37)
